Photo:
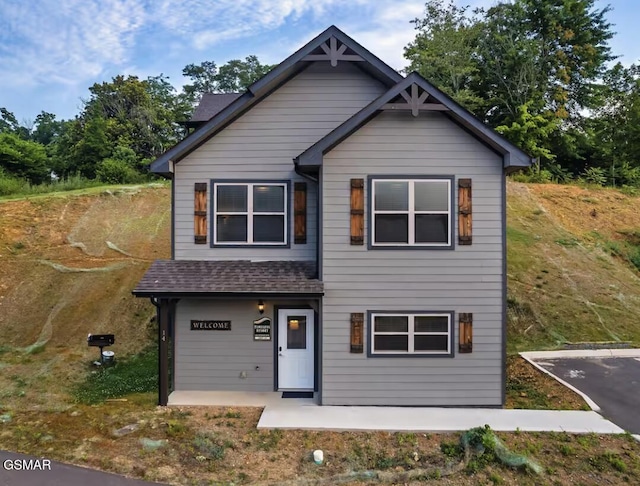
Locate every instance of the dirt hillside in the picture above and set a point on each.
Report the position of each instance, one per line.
(68, 263)
(573, 260)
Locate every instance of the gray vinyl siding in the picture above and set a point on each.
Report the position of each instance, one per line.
(465, 279)
(213, 360)
(261, 145)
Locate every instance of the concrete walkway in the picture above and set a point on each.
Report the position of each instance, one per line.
(408, 419)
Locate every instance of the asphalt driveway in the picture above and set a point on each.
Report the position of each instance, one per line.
(613, 383)
(53, 473)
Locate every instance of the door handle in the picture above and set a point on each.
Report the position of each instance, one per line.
(280, 354)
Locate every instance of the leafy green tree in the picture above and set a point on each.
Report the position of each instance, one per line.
(236, 75)
(615, 125)
(232, 77)
(9, 124)
(46, 129)
(530, 132)
(120, 168)
(23, 158)
(85, 146)
(548, 54)
(203, 80)
(444, 51)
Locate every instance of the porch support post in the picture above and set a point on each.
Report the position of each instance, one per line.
(163, 352)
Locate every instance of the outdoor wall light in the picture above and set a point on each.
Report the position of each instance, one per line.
(261, 307)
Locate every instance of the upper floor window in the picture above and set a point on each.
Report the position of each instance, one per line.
(412, 212)
(250, 213)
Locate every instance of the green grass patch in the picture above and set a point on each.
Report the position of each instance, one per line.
(134, 374)
(10, 186)
(515, 236)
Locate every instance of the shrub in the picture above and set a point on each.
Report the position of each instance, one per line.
(542, 176)
(595, 175)
(114, 171)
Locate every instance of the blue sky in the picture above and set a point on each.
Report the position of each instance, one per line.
(51, 51)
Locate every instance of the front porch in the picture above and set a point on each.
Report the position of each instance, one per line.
(233, 332)
(237, 399)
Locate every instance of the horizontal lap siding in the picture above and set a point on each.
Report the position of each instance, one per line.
(262, 143)
(213, 360)
(466, 279)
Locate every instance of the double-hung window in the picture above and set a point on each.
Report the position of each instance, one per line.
(411, 212)
(250, 213)
(410, 333)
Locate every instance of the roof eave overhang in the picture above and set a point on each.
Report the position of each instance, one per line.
(169, 294)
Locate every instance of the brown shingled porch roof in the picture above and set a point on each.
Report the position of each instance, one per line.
(241, 277)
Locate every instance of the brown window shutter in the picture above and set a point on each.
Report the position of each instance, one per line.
(357, 332)
(466, 333)
(357, 211)
(464, 211)
(200, 213)
(300, 212)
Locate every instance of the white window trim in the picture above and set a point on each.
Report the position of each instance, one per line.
(249, 213)
(410, 332)
(411, 212)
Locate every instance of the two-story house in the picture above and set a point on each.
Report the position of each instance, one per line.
(339, 229)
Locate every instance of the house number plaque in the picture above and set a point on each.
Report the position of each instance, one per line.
(211, 325)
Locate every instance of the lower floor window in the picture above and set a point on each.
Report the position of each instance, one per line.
(414, 333)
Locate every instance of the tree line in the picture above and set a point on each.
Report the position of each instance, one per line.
(124, 124)
(541, 73)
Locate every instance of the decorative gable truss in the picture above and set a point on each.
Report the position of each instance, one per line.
(415, 94)
(333, 51)
(416, 99)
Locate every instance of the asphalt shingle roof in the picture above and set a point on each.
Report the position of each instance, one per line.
(242, 276)
(211, 104)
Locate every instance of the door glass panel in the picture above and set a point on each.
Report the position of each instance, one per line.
(296, 332)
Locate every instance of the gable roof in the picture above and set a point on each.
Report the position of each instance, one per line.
(211, 104)
(284, 71)
(513, 157)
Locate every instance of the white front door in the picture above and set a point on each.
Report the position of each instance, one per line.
(295, 349)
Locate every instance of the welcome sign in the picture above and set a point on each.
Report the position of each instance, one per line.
(211, 325)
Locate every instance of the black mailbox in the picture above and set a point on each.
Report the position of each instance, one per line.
(101, 340)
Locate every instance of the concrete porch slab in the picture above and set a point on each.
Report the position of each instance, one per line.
(396, 419)
(235, 399)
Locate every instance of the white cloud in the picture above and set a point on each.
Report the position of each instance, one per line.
(206, 23)
(65, 40)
